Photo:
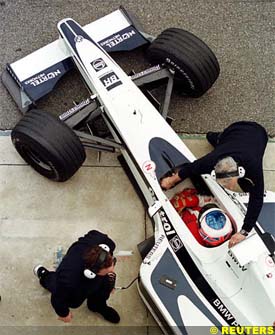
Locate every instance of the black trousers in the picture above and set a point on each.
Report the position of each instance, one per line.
(96, 301)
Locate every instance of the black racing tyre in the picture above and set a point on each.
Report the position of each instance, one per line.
(48, 145)
(196, 67)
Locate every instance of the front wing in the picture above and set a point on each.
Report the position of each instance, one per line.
(35, 75)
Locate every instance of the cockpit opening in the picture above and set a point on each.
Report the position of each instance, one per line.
(200, 211)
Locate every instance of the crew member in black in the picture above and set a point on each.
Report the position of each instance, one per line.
(86, 272)
(244, 142)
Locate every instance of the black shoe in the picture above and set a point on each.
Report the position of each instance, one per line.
(40, 271)
(108, 313)
(213, 138)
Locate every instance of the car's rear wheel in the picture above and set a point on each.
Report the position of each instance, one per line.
(195, 65)
(48, 145)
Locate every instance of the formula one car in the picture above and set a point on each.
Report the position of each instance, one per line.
(182, 282)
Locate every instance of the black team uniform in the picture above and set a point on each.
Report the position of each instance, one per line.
(245, 142)
(69, 286)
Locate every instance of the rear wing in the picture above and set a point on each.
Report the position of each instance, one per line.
(35, 75)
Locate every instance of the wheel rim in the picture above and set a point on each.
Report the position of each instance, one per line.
(34, 157)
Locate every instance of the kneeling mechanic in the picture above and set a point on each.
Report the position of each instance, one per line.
(86, 272)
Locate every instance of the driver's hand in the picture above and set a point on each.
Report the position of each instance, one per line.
(235, 239)
(168, 182)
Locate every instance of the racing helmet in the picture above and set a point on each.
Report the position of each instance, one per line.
(215, 225)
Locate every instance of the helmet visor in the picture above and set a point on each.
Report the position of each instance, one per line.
(215, 220)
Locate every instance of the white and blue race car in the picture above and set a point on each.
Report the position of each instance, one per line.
(183, 283)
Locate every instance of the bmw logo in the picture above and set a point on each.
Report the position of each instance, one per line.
(78, 39)
(98, 64)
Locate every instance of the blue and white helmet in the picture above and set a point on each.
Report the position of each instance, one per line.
(215, 226)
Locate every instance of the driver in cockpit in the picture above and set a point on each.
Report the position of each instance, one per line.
(210, 225)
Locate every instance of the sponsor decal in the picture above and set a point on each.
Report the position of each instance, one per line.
(241, 194)
(176, 243)
(224, 312)
(149, 167)
(110, 80)
(155, 247)
(117, 39)
(98, 64)
(74, 109)
(245, 194)
(42, 77)
(78, 39)
(243, 268)
(167, 225)
(145, 72)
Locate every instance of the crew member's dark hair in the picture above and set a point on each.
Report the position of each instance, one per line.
(91, 255)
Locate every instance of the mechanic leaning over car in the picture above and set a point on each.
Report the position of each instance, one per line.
(86, 272)
(237, 160)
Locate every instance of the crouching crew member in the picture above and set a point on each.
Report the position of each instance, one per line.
(236, 159)
(86, 272)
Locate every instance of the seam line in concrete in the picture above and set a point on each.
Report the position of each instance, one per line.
(83, 166)
(5, 132)
(202, 137)
(11, 164)
(181, 135)
(101, 167)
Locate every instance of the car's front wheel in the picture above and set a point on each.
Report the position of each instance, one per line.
(48, 145)
(196, 66)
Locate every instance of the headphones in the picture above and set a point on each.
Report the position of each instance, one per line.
(240, 172)
(91, 273)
